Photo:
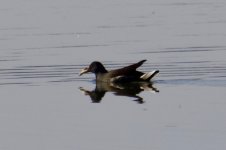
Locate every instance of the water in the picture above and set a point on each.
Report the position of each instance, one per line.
(44, 44)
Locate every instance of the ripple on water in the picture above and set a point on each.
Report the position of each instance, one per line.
(198, 72)
(192, 65)
(36, 75)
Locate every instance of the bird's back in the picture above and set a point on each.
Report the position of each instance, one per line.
(125, 74)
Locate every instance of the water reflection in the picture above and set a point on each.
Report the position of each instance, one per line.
(125, 89)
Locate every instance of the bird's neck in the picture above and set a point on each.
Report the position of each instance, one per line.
(101, 70)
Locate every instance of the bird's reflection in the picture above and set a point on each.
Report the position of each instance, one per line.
(128, 89)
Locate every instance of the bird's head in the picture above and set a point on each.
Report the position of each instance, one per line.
(95, 67)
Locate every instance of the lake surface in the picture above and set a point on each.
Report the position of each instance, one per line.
(44, 104)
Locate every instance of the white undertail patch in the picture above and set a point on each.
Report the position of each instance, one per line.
(149, 75)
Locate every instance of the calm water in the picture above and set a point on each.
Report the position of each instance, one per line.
(45, 104)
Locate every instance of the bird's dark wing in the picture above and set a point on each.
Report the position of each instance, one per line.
(128, 70)
(133, 66)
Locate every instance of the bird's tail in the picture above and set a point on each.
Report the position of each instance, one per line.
(148, 76)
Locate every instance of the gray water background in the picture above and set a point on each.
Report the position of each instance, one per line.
(44, 44)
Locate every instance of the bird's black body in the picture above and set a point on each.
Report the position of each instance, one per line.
(125, 74)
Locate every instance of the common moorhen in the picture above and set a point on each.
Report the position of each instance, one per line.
(125, 74)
